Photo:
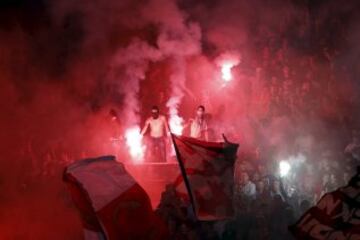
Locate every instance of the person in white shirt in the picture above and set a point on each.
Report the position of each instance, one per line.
(247, 187)
(159, 129)
(244, 193)
(198, 125)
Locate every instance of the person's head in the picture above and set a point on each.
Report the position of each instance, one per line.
(155, 112)
(256, 177)
(244, 177)
(262, 170)
(200, 111)
(260, 186)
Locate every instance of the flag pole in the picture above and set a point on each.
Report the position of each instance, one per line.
(183, 173)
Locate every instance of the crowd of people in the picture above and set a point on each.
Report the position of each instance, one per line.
(315, 92)
(309, 89)
(265, 201)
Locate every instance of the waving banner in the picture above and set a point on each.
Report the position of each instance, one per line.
(111, 203)
(336, 215)
(207, 177)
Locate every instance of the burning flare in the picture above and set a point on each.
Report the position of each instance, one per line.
(176, 124)
(226, 74)
(175, 121)
(134, 143)
(285, 168)
(226, 62)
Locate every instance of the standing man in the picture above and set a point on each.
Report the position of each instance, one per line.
(158, 130)
(198, 125)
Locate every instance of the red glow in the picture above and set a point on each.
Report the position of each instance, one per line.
(134, 144)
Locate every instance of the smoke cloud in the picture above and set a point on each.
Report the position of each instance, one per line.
(65, 64)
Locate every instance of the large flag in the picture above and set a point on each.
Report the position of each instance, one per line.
(207, 176)
(336, 215)
(111, 203)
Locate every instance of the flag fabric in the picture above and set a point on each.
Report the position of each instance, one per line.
(111, 203)
(336, 215)
(207, 176)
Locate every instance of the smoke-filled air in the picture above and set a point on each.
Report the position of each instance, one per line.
(82, 79)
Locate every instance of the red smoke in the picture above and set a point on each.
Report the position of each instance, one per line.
(65, 64)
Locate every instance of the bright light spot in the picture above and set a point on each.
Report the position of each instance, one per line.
(226, 62)
(226, 72)
(176, 124)
(175, 121)
(284, 167)
(134, 143)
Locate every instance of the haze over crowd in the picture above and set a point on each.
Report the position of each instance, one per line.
(64, 64)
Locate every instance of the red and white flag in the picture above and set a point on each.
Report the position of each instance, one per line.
(111, 203)
(336, 215)
(207, 176)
